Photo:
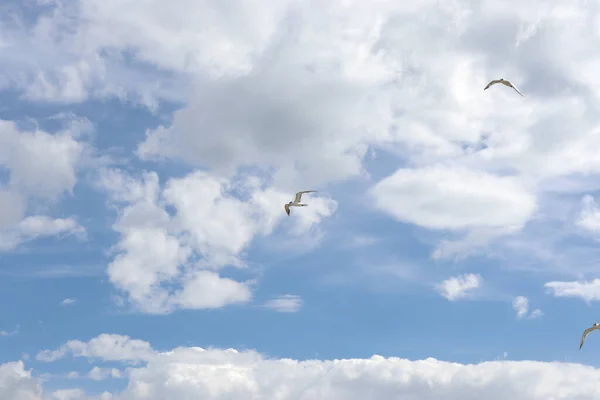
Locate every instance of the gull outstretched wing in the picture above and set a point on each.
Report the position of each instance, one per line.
(493, 82)
(299, 195)
(585, 333)
(516, 89)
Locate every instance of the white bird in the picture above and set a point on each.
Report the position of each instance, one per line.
(296, 202)
(588, 330)
(504, 82)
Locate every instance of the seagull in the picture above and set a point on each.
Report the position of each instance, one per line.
(588, 330)
(504, 82)
(296, 202)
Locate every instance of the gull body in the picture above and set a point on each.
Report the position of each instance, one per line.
(297, 201)
(505, 83)
(587, 331)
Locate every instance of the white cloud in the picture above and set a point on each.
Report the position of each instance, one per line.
(455, 198)
(105, 346)
(586, 290)
(16, 383)
(9, 333)
(206, 289)
(41, 166)
(37, 226)
(306, 91)
(287, 303)
(68, 394)
(100, 374)
(43, 226)
(96, 373)
(440, 197)
(192, 372)
(78, 394)
(459, 287)
(521, 306)
(67, 301)
(346, 57)
(589, 216)
(13, 209)
(191, 245)
(536, 313)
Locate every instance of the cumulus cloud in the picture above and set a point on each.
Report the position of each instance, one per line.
(455, 198)
(56, 157)
(105, 346)
(521, 306)
(287, 303)
(440, 197)
(304, 92)
(41, 166)
(193, 372)
(459, 287)
(210, 229)
(68, 394)
(16, 383)
(78, 394)
(248, 377)
(586, 290)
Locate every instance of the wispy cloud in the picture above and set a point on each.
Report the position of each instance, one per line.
(10, 333)
(100, 374)
(67, 302)
(521, 306)
(585, 290)
(54, 271)
(95, 374)
(459, 287)
(288, 303)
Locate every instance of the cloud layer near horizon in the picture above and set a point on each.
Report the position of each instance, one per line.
(215, 374)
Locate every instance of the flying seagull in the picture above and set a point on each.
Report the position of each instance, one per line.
(504, 82)
(588, 330)
(296, 202)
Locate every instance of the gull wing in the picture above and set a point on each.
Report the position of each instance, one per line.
(287, 208)
(299, 195)
(492, 82)
(516, 89)
(585, 333)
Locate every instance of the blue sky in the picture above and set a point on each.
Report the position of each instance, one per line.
(145, 162)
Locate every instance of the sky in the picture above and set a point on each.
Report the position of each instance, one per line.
(147, 150)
